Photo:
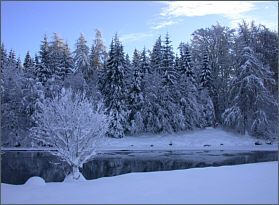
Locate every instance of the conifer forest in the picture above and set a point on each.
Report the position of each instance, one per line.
(222, 75)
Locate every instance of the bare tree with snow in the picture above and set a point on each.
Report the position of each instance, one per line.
(70, 124)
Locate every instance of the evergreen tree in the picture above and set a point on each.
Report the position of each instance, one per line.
(36, 61)
(152, 100)
(98, 54)
(28, 61)
(13, 118)
(206, 93)
(135, 119)
(188, 93)
(250, 99)
(205, 78)
(11, 59)
(81, 57)
(168, 89)
(217, 42)
(97, 58)
(113, 89)
(19, 64)
(43, 70)
(4, 55)
(156, 57)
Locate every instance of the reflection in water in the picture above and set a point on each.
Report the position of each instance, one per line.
(18, 166)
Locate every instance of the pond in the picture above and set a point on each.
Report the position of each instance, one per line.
(18, 166)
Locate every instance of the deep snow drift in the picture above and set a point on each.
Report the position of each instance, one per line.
(250, 183)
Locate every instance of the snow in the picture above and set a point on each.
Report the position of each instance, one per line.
(250, 183)
(70, 177)
(35, 181)
(190, 140)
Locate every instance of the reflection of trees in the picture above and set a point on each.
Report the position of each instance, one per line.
(17, 167)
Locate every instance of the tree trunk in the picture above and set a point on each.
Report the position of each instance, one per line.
(76, 173)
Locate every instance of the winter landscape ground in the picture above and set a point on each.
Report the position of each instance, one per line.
(250, 183)
(195, 76)
(216, 138)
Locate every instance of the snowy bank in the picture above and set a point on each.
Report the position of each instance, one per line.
(250, 183)
(208, 139)
(204, 139)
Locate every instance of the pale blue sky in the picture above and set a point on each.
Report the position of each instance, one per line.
(138, 23)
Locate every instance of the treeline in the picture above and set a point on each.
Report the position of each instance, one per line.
(223, 75)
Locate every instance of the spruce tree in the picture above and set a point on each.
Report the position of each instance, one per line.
(19, 64)
(208, 112)
(112, 87)
(28, 61)
(135, 119)
(81, 57)
(250, 99)
(43, 70)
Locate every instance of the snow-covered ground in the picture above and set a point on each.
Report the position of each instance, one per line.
(250, 183)
(190, 140)
(199, 139)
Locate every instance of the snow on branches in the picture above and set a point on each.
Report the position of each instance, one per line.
(70, 123)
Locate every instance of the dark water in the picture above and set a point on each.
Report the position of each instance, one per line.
(18, 166)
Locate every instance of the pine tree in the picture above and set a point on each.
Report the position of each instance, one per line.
(43, 70)
(136, 96)
(188, 92)
(81, 57)
(28, 61)
(36, 61)
(249, 97)
(205, 78)
(4, 55)
(98, 54)
(208, 112)
(13, 117)
(19, 64)
(168, 90)
(11, 59)
(67, 62)
(156, 57)
(112, 87)
(152, 95)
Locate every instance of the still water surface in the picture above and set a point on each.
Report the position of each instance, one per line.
(18, 166)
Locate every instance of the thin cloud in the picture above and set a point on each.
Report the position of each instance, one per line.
(163, 24)
(134, 36)
(231, 9)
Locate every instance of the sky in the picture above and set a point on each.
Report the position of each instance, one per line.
(138, 23)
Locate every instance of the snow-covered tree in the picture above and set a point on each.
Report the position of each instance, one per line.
(19, 64)
(206, 89)
(13, 117)
(98, 54)
(188, 92)
(81, 56)
(43, 71)
(135, 96)
(28, 61)
(217, 41)
(205, 76)
(97, 59)
(71, 125)
(168, 89)
(113, 89)
(249, 96)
